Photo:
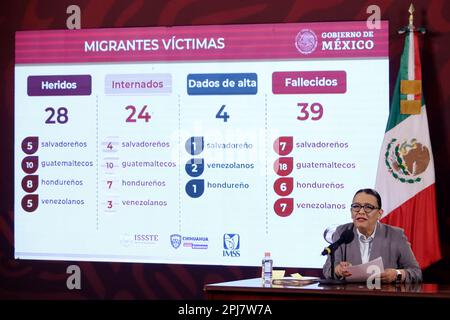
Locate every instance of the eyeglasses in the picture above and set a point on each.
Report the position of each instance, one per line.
(368, 208)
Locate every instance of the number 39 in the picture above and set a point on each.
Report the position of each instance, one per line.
(315, 109)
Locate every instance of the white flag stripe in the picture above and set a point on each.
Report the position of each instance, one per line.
(393, 192)
(411, 59)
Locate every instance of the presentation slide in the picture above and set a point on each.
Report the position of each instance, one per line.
(197, 144)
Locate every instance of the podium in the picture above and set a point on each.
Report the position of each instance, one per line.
(253, 289)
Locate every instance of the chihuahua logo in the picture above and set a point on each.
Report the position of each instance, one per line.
(175, 240)
(407, 160)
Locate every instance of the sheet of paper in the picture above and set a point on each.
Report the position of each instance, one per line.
(361, 272)
(278, 274)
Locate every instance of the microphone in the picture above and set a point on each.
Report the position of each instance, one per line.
(346, 237)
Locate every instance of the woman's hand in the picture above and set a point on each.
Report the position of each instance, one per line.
(341, 269)
(388, 276)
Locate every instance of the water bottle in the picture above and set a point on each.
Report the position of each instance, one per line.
(266, 273)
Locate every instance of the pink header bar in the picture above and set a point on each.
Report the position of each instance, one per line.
(302, 82)
(217, 42)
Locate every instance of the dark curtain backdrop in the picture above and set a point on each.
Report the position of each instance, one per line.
(47, 280)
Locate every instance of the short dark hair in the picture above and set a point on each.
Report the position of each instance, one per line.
(372, 192)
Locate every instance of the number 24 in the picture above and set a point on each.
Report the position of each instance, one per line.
(142, 114)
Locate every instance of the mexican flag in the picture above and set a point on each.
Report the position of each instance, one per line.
(405, 177)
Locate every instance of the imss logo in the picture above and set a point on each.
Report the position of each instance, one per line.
(231, 245)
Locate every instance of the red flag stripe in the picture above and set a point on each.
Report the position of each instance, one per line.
(418, 218)
(417, 64)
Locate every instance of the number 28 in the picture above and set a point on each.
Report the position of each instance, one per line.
(60, 115)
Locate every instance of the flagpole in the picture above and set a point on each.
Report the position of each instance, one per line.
(409, 197)
(410, 27)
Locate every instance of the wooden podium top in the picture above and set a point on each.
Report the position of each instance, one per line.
(253, 289)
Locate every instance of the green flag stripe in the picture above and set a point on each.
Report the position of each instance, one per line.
(394, 115)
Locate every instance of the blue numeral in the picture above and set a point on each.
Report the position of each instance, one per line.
(194, 145)
(195, 188)
(195, 167)
(222, 115)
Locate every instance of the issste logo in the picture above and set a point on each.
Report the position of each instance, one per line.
(306, 41)
(128, 239)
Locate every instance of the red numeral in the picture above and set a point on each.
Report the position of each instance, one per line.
(284, 207)
(283, 145)
(283, 166)
(144, 115)
(283, 186)
(316, 111)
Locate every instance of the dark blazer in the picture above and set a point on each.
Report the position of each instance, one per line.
(390, 243)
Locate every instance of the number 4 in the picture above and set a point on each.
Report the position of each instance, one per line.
(222, 115)
(144, 114)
